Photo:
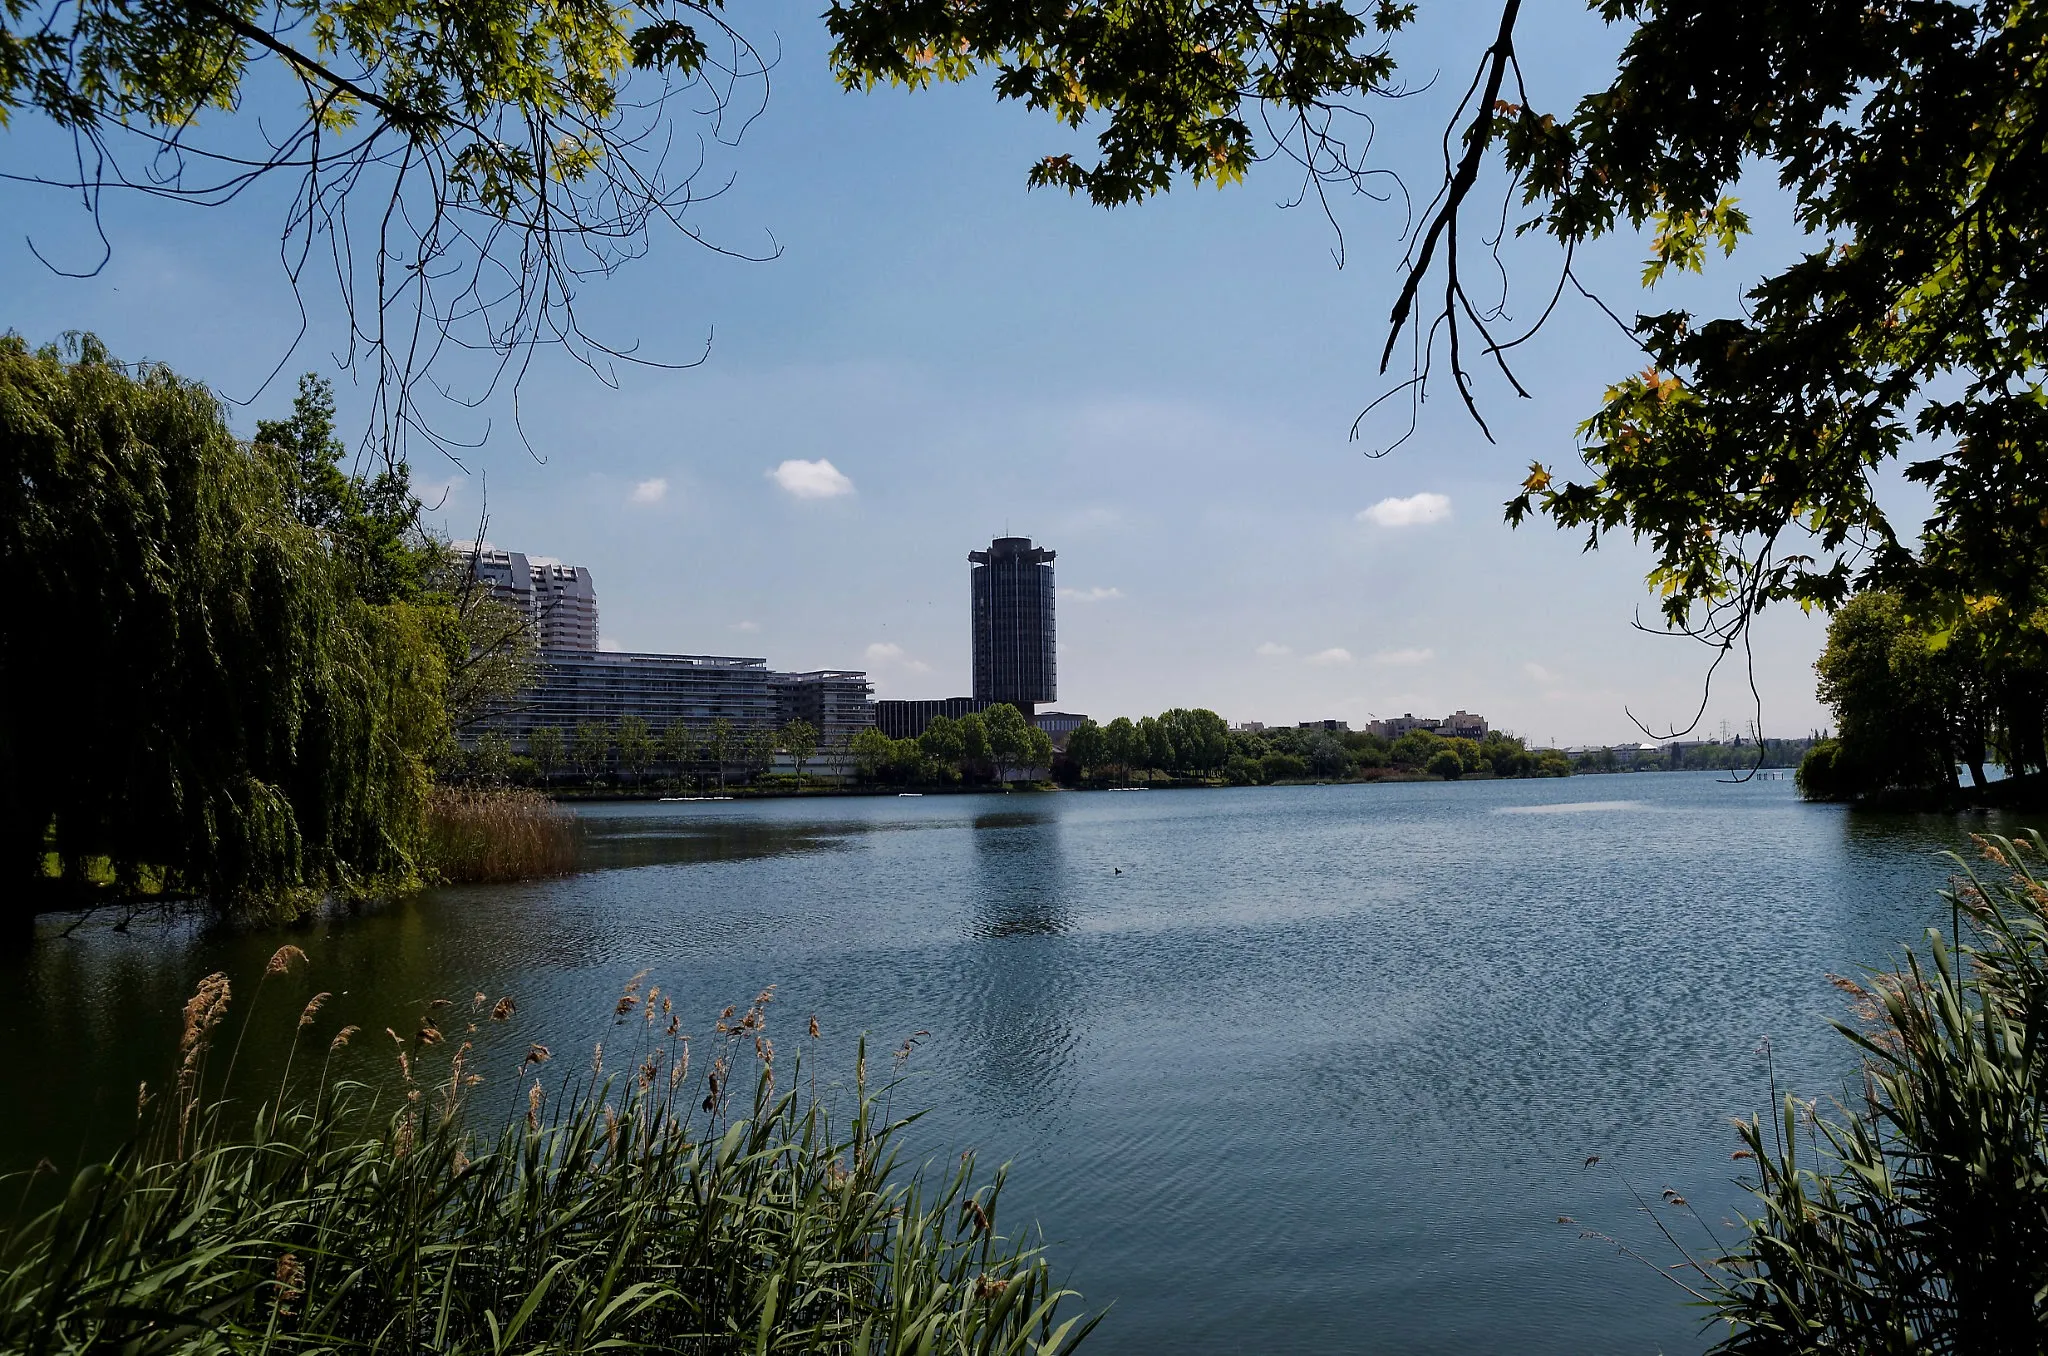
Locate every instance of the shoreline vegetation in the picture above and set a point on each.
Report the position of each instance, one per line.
(647, 1202)
(248, 666)
(1930, 696)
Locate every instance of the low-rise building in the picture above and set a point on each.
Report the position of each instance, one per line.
(1333, 726)
(1393, 727)
(1462, 724)
(837, 703)
(574, 687)
(1059, 724)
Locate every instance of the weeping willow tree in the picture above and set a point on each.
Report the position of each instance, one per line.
(196, 695)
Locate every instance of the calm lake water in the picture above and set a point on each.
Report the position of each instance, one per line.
(1317, 1070)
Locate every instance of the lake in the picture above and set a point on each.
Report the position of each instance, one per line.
(1311, 1069)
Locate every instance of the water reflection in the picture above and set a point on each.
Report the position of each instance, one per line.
(613, 842)
(1022, 969)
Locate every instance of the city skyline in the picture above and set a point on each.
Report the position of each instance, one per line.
(931, 359)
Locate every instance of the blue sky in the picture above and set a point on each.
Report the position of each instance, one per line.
(1163, 394)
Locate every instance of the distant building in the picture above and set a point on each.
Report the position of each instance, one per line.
(908, 719)
(1459, 724)
(837, 703)
(1463, 725)
(575, 686)
(1249, 726)
(1058, 724)
(1011, 592)
(561, 599)
(1333, 726)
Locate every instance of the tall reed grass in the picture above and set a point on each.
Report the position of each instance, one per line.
(1912, 1215)
(630, 1210)
(477, 835)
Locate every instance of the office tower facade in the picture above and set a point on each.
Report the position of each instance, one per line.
(560, 598)
(1012, 615)
(909, 719)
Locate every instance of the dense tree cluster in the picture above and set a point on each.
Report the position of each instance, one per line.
(225, 667)
(630, 752)
(1198, 745)
(1914, 700)
(991, 745)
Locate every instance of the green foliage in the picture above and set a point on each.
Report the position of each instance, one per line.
(593, 749)
(1445, 763)
(1914, 1216)
(678, 745)
(1415, 749)
(800, 740)
(646, 1210)
(873, 753)
(545, 745)
(198, 684)
(1907, 138)
(1009, 738)
(719, 741)
(1281, 767)
(371, 525)
(635, 743)
(1913, 697)
(1822, 775)
(1173, 82)
(942, 744)
(488, 137)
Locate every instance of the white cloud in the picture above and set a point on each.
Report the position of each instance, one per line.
(1270, 650)
(1414, 511)
(891, 655)
(747, 626)
(1333, 655)
(1404, 658)
(818, 479)
(1094, 595)
(650, 491)
(1539, 673)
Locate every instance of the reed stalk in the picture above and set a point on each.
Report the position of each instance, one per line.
(483, 836)
(636, 1210)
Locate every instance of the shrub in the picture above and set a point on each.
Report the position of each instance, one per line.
(1279, 767)
(1243, 771)
(477, 836)
(1826, 774)
(621, 1213)
(1445, 763)
(1915, 1217)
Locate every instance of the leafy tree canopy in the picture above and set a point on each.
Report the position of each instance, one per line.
(198, 693)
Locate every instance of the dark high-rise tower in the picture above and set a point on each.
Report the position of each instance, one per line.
(1013, 631)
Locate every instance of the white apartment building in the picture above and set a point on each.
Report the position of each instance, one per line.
(560, 598)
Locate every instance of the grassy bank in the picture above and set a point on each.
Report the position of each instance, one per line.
(644, 1202)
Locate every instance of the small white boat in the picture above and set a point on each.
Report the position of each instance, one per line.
(909, 793)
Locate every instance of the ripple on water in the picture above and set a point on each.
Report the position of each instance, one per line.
(1576, 807)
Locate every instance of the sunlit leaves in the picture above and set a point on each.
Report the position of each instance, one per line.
(1909, 138)
(1178, 86)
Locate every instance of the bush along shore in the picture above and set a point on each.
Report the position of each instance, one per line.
(646, 1202)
